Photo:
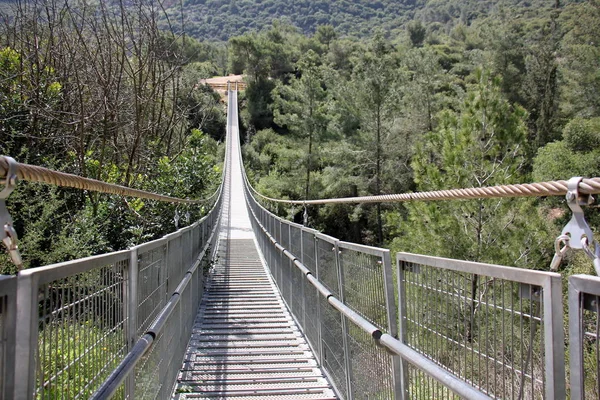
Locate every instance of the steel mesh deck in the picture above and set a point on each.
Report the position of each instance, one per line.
(245, 344)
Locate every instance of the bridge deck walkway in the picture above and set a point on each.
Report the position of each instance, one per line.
(245, 344)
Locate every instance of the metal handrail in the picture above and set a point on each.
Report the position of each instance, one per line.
(454, 383)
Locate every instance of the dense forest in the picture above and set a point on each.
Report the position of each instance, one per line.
(441, 94)
(508, 97)
(221, 19)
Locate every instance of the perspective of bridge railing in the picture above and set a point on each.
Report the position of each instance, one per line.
(118, 323)
(517, 352)
(66, 327)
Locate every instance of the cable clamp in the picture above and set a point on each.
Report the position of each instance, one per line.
(577, 228)
(8, 235)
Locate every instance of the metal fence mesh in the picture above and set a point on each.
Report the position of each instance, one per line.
(590, 322)
(81, 334)
(584, 331)
(152, 291)
(364, 286)
(332, 357)
(371, 367)
(486, 330)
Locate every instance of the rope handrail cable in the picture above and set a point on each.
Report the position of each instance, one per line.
(536, 189)
(32, 173)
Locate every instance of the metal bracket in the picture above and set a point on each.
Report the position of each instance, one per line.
(577, 228)
(176, 219)
(530, 292)
(590, 302)
(410, 267)
(8, 235)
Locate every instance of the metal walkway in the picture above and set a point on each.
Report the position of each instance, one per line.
(245, 343)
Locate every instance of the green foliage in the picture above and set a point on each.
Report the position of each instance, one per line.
(480, 145)
(70, 355)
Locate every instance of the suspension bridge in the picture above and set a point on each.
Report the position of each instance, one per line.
(245, 305)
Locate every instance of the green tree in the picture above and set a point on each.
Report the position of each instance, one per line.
(301, 107)
(481, 144)
(375, 87)
(416, 33)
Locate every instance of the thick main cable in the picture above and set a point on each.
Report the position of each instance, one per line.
(539, 189)
(32, 173)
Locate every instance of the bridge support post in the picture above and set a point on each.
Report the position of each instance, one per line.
(345, 333)
(403, 365)
(396, 325)
(130, 294)
(318, 305)
(26, 335)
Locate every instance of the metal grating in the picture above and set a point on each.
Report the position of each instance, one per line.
(245, 343)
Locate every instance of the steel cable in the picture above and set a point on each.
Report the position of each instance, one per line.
(539, 189)
(32, 173)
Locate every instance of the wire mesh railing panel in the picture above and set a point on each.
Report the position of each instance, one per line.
(371, 367)
(286, 279)
(308, 251)
(81, 331)
(485, 329)
(147, 373)
(277, 229)
(297, 287)
(172, 337)
(424, 387)
(584, 334)
(152, 290)
(311, 317)
(175, 262)
(364, 284)
(296, 240)
(332, 357)
(284, 238)
(327, 269)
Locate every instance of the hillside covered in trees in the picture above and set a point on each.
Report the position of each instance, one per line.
(221, 19)
(510, 97)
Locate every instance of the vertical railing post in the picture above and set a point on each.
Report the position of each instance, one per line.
(397, 365)
(401, 364)
(319, 320)
(131, 301)
(346, 333)
(554, 349)
(576, 333)
(301, 255)
(26, 336)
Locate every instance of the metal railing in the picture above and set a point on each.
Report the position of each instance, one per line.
(498, 328)
(466, 329)
(343, 297)
(77, 321)
(584, 334)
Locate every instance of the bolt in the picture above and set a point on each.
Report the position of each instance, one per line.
(570, 196)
